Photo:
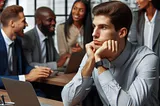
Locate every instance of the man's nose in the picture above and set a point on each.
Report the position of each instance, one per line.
(53, 22)
(95, 32)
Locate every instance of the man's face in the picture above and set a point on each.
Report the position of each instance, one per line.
(48, 23)
(20, 24)
(103, 30)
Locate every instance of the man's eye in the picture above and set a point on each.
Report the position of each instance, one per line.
(49, 20)
(104, 27)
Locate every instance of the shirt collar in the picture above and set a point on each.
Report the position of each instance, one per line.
(42, 37)
(153, 18)
(123, 57)
(7, 40)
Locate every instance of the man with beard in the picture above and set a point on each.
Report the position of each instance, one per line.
(13, 64)
(38, 43)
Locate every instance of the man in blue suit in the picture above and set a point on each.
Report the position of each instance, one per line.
(13, 23)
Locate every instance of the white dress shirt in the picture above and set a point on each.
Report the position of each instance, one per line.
(148, 30)
(42, 37)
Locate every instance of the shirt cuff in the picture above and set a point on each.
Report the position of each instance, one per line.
(22, 77)
(55, 65)
(87, 83)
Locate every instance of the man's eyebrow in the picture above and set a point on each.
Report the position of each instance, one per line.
(102, 25)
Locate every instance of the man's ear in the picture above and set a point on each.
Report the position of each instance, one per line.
(38, 21)
(122, 32)
(11, 23)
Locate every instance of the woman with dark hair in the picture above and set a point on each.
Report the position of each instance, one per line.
(77, 30)
(145, 28)
(2, 4)
(146, 24)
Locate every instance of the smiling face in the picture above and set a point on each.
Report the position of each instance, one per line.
(103, 30)
(2, 2)
(78, 11)
(47, 22)
(20, 24)
(143, 4)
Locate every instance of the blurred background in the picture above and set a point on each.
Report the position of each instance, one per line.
(60, 7)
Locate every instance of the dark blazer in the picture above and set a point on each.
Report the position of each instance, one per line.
(32, 49)
(22, 66)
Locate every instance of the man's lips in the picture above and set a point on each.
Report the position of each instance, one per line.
(96, 42)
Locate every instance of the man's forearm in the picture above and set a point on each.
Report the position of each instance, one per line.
(88, 68)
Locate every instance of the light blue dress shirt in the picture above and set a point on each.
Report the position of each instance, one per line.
(132, 80)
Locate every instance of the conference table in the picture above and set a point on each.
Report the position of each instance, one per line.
(42, 100)
(60, 79)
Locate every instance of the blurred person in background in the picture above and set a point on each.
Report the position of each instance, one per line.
(77, 30)
(38, 52)
(13, 63)
(145, 29)
(2, 4)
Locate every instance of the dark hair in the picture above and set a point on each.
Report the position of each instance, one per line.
(10, 12)
(5, 2)
(39, 12)
(156, 4)
(119, 13)
(87, 23)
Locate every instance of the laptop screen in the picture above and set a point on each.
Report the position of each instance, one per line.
(22, 93)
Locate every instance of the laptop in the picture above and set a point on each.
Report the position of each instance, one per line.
(21, 93)
(73, 64)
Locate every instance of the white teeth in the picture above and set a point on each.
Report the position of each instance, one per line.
(52, 27)
(76, 16)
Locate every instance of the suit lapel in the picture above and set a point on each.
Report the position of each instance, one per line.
(3, 55)
(19, 56)
(156, 28)
(37, 43)
(141, 27)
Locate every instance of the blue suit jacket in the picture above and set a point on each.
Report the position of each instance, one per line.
(22, 65)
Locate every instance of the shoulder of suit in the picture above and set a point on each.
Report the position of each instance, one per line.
(30, 33)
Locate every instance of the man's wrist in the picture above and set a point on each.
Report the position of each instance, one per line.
(97, 58)
(100, 64)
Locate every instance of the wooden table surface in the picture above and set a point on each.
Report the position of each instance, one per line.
(60, 79)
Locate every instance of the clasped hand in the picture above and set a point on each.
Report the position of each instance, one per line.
(38, 73)
(107, 49)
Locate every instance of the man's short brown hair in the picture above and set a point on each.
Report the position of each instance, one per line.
(11, 12)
